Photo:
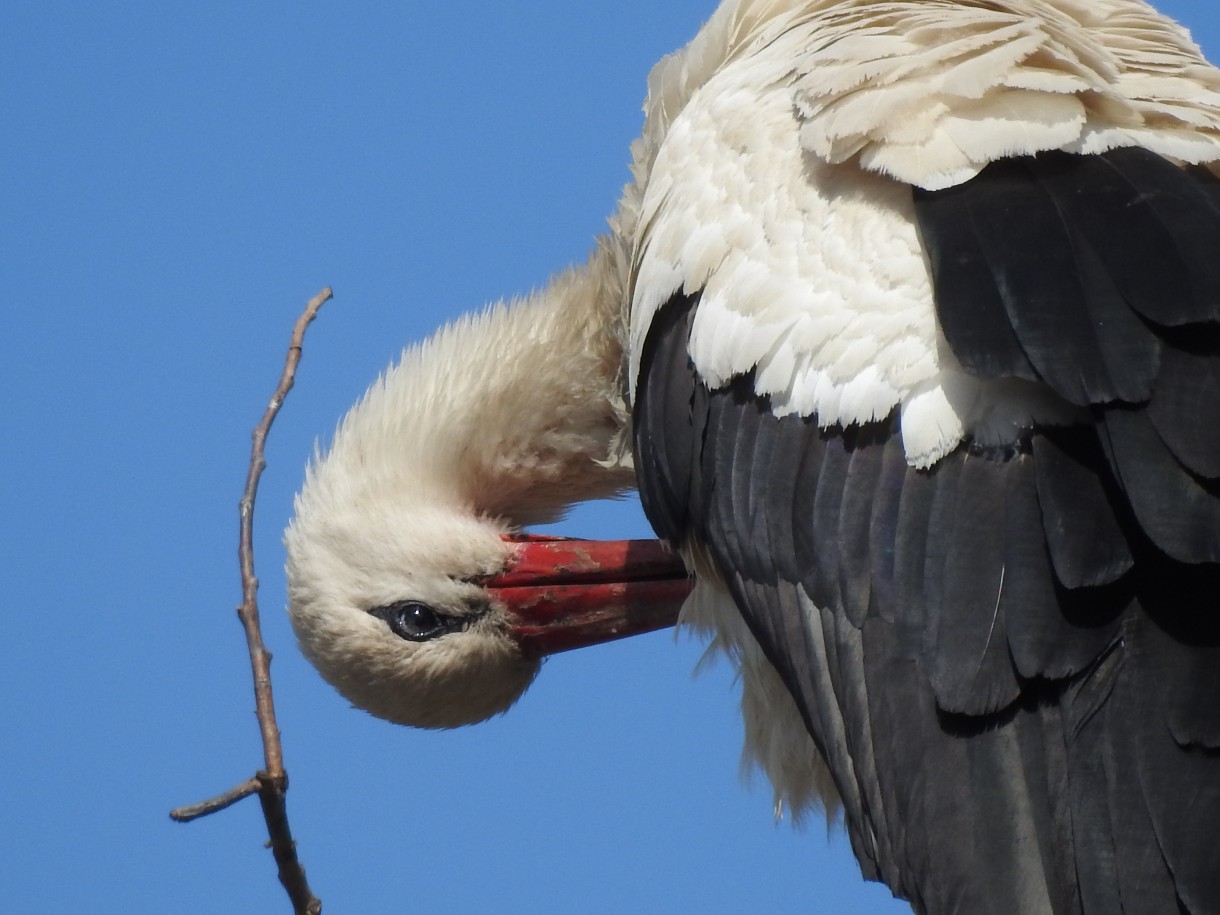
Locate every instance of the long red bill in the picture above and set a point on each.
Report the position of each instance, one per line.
(564, 594)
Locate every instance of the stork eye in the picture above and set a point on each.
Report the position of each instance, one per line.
(414, 621)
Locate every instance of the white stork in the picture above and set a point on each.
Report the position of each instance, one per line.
(908, 331)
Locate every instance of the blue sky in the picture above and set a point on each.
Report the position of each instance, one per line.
(178, 180)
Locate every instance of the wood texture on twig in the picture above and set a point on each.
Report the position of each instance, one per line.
(271, 782)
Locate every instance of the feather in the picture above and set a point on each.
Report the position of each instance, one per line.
(1178, 786)
(1086, 721)
(809, 468)
(1182, 209)
(971, 307)
(1048, 635)
(855, 516)
(776, 511)
(883, 529)
(1186, 404)
(665, 412)
(1062, 319)
(1175, 510)
(971, 669)
(823, 588)
(1086, 544)
(1123, 209)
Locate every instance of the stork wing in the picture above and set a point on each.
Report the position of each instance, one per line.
(995, 607)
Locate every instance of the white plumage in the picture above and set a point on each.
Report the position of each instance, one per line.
(818, 383)
(809, 261)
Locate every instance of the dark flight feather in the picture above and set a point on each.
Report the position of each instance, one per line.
(1010, 660)
(1185, 407)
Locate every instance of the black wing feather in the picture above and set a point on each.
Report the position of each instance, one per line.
(855, 516)
(973, 314)
(1179, 512)
(809, 470)
(972, 668)
(1109, 201)
(884, 530)
(665, 404)
(1060, 302)
(1048, 635)
(1010, 660)
(1188, 210)
(1185, 407)
(823, 587)
(1086, 543)
(776, 511)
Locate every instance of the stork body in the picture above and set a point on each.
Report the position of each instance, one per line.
(908, 325)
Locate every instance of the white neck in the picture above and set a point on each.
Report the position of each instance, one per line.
(514, 413)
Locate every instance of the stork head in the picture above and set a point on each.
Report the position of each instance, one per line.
(432, 616)
(409, 587)
(388, 605)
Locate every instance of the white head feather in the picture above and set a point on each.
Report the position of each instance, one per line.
(452, 448)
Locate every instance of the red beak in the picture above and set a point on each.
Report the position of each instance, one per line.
(564, 594)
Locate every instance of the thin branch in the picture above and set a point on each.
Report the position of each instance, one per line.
(260, 658)
(271, 783)
(215, 804)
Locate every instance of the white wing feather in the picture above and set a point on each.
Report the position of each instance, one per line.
(774, 170)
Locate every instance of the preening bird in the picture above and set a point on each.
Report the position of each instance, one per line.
(907, 330)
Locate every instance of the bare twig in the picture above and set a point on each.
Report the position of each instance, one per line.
(270, 783)
(260, 658)
(190, 812)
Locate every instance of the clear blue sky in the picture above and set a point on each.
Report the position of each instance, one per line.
(177, 180)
